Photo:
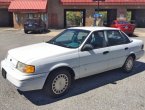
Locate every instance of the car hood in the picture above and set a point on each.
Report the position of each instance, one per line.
(37, 51)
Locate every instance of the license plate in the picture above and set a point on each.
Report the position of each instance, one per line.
(30, 25)
(126, 27)
(4, 73)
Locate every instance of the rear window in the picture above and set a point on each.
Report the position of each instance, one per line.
(32, 20)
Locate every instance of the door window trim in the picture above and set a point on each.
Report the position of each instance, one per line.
(105, 41)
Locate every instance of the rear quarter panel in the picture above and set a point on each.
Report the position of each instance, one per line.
(135, 46)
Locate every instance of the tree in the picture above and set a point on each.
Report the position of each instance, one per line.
(74, 17)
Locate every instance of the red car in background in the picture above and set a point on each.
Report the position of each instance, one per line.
(125, 26)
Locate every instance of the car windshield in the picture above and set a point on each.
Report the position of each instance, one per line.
(70, 38)
(123, 22)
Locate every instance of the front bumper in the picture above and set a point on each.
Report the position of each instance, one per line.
(22, 81)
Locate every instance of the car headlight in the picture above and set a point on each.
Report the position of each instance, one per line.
(25, 68)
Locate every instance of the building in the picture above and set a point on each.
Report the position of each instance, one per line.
(60, 13)
(23, 9)
(114, 9)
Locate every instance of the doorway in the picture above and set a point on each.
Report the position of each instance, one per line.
(137, 17)
(6, 18)
(74, 17)
(108, 15)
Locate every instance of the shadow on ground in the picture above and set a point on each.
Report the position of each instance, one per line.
(35, 32)
(133, 35)
(85, 84)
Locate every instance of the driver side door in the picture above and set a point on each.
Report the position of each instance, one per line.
(97, 59)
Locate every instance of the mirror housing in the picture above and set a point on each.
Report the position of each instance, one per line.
(87, 47)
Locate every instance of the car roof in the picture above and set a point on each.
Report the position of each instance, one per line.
(95, 28)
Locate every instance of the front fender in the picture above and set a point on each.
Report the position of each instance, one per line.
(58, 66)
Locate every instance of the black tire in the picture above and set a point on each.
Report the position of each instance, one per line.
(44, 30)
(128, 65)
(25, 31)
(58, 83)
(40, 31)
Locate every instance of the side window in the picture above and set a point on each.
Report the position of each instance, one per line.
(97, 39)
(115, 38)
(125, 36)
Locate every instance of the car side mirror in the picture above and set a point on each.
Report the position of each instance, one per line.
(87, 47)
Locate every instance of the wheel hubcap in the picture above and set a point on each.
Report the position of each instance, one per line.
(60, 84)
(129, 64)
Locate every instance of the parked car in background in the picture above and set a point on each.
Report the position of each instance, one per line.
(75, 53)
(34, 25)
(125, 26)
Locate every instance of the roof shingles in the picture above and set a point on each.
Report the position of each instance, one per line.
(28, 5)
(106, 2)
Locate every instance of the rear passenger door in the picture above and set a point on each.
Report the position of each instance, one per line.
(118, 48)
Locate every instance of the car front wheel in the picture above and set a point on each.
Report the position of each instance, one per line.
(25, 31)
(128, 65)
(58, 83)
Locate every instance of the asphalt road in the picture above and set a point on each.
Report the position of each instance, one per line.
(113, 90)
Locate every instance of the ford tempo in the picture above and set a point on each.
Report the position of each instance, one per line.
(75, 53)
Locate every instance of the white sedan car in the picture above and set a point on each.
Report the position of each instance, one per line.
(75, 53)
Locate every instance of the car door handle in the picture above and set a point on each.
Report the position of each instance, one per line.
(126, 48)
(105, 52)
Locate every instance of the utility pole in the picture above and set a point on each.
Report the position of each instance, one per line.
(98, 6)
(97, 15)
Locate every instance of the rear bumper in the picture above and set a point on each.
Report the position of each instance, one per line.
(23, 82)
(34, 28)
(128, 31)
(31, 29)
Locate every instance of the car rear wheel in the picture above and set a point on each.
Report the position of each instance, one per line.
(25, 31)
(40, 31)
(44, 30)
(128, 65)
(58, 83)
